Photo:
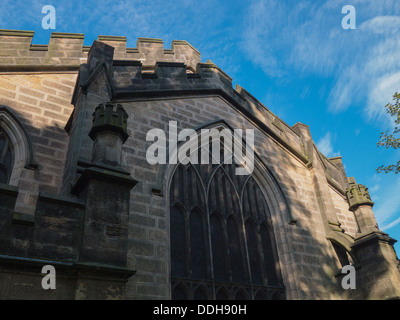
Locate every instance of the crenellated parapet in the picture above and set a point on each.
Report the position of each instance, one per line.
(64, 49)
(150, 70)
(67, 50)
(129, 80)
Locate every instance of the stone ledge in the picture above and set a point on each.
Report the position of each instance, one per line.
(74, 268)
(183, 43)
(105, 175)
(82, 165)
(61, 199)
(39, 68)
(23, 219)
(39, 47)
(374, 236)
(67, 35)
(8, 189)
(111, 38)
(150, 40)
(16, 33)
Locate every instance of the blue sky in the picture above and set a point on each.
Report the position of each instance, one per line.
(294, 56)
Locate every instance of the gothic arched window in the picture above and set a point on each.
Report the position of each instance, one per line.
(343, 257)
(6, 157)
(16, 151)
(222, 242)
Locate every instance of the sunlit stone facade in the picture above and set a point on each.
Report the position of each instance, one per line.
(78, 193)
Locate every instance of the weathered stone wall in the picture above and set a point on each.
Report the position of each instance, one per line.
(346, 218)
(42, 102)
(36, 86)
(54, 89)
(300, 246)
(37, 82)
(304, 252)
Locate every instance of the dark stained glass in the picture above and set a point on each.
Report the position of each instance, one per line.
(5, 157)
(269, 261)
(254, 255)
(222, 244)
(235, 251)
(178, 243)
(197, 245)
(201, 293)
(179, 293)
(218, 249)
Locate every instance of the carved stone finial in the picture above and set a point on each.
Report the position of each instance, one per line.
(109, 133)
(109, 118)
(357, 195)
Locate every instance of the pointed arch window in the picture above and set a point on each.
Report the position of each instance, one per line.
(16, 151)
(6, 157)
(219, 252)
(221, 236)
(197, 244)
(343, 257)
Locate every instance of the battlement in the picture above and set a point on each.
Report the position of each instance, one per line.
(149, 70)
(130, 80)
(67, 50)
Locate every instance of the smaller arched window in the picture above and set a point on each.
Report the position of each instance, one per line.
(15, 147)
(6, 157)
(180, 292)
(342, 255)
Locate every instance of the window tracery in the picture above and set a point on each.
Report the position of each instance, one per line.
(222, 244)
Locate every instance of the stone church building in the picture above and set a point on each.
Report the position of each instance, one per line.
(78, 192)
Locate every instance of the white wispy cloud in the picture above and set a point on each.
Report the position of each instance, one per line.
(375, 76)
(301, 36)
(307, 39)
(391, 225)
(382, 90)
(325, 146)
(15, 13)
(386, 211)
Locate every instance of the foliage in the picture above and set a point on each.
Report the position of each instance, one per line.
(389, 140)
